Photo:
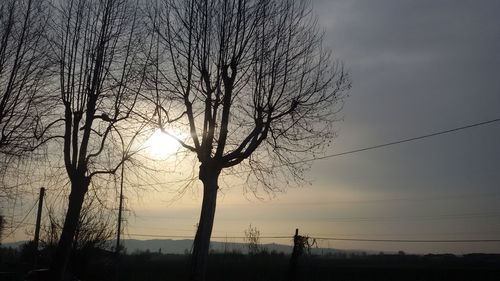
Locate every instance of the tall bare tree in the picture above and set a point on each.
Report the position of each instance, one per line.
(95, 226)
(97, 47)
(24, 69)
(256, 88)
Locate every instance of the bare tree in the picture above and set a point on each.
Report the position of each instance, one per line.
(23, 69)
(256, 87)
(252, 237)
(23, 76)
(96, 45)
(94, 231)
(95, 227)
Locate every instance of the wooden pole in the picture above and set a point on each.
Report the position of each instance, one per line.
(37, 227)
(119, 230)
(293, 271)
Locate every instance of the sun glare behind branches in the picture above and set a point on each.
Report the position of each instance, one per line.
(161, 145)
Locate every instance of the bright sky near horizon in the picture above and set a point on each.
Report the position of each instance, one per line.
(417, 67)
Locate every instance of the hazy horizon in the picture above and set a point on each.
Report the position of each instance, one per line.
(417, 67)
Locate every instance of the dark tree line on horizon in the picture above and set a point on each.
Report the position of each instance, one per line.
(250, 81)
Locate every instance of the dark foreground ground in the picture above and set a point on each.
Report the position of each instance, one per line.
(275, 267)
(321, 268)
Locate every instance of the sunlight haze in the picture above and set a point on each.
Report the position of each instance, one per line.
(418, 67)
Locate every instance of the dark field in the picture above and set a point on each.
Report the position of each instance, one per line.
(147, 266)
(266, 267)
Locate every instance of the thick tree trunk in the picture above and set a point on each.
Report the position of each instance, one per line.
(63, 250)
(201, 244)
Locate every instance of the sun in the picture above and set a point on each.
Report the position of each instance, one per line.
(161, 145)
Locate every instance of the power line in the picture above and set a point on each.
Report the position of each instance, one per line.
(332, 239)
(22, 221)
(351, 152)
(429, 135)
(450, 216)
(409, 240)
(213, 237)
(281, 234)
(401, 141)
(379, 200)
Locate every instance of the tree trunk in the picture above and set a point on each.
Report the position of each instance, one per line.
(63, 250)
(201, 244)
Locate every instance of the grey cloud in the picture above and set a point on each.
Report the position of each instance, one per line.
(417, 67)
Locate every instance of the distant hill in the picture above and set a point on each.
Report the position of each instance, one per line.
(169, 246)
(182, 246)
(13, 244)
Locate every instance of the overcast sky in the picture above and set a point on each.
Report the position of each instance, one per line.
(417, 67)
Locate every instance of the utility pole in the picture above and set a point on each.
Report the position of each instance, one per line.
(118, 232)
(293, 267)
(120, 207)
(37, 227)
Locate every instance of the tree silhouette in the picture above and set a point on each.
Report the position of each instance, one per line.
(252, 237)
(24, 68)
(95, 226)
(255, 85)
(97, 49)
(23, 72)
